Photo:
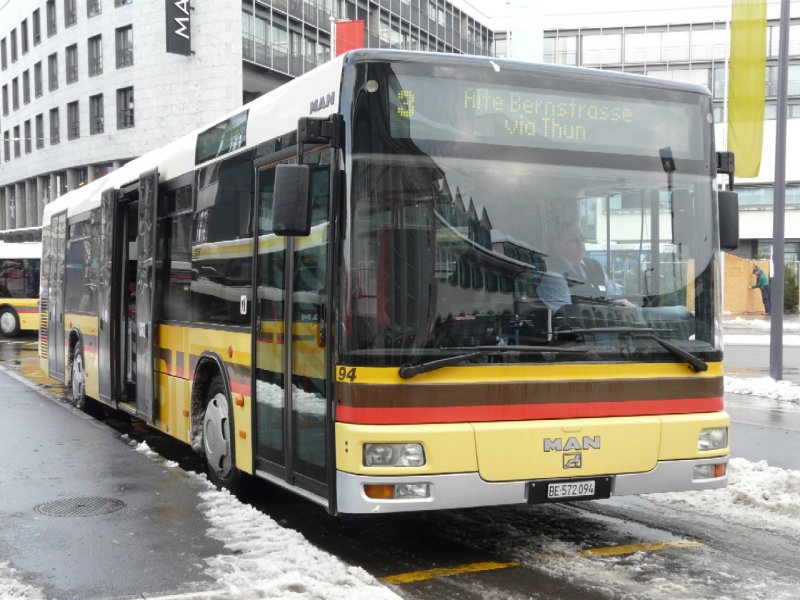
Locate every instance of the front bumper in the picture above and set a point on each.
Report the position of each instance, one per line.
(467, 490)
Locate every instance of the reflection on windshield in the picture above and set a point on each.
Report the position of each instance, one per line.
(456, 253)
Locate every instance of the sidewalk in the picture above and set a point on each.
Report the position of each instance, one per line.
(76, 520)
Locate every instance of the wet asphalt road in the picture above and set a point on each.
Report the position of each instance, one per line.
(537, 550)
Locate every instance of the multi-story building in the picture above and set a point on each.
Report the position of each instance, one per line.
(90, 84)
(690, 42)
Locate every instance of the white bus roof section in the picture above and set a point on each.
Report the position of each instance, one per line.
(20, 250)
(270, 116)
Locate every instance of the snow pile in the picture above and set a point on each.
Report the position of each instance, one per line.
(764, 387)
(269, 561)
(11, 588)
(757, 496)
(760, 324)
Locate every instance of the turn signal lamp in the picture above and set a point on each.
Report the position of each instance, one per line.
(397, 491)
(394, 455)
(714, 438)
(711, 471)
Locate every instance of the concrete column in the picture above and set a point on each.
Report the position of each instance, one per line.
(30, 202)
(52, 192)
(2, 207)
(18, 208)
(41, 192)
(72, 180)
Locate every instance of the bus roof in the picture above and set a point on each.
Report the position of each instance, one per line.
(277, 112)
(269, 116)
(20, 250)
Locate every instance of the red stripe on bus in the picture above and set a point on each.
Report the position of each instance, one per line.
(523, 412)
(240, 388)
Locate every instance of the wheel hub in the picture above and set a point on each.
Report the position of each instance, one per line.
(215, 435)
(7, 323)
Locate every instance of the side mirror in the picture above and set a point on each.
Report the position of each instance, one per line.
(291, 211)
(728, 219)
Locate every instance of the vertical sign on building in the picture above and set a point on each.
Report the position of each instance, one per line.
(179, 33)
(349, 36)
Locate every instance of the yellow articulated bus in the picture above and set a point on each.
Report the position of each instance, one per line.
(19, 287)
(350, 286)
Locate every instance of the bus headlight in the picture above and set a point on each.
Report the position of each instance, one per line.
(394, 455)
(713, 439)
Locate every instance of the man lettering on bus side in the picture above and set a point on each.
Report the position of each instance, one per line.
(762, 283)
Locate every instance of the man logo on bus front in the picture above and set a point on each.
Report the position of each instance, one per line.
(573, 461)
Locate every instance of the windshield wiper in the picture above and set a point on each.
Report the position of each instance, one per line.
(407, 371)
(697, 363)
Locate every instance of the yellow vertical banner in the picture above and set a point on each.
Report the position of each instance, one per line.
(746, 84)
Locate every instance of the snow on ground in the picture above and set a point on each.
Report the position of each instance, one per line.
(759, 324)
(757, 496)
(12, 588)
(764, 387)
(270, 561)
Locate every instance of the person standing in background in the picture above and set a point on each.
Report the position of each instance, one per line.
(762, 283)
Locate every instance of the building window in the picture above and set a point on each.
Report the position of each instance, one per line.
(37, 79)
(96, 114)
(93, 8)
(3, 55)
(55, 136)
(70, 13)
(95, 55)
(122, 2)
(7, 146)
(73, 121)
(124, 46)
(17, 144)
(40, 131)
(52, 72)
(13, 42)
(15, 93)
(601, 49)
(28, 144)
(37, 28)
(125, 108)
(26, 86)
(51, 17)
(23, 31)
(72, 63)
(5, 99)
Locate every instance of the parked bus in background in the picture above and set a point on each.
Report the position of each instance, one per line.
(344, 287)
(19, 287)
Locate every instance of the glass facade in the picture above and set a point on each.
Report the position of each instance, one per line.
(294, 37)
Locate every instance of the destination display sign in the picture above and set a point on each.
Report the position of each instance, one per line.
(465, 111)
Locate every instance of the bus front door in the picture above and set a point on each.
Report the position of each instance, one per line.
(145, 278)
(107, 316)
(290, 351)
(55, 307)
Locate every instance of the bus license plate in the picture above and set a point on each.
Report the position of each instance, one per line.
(576, 489)
(564, 490)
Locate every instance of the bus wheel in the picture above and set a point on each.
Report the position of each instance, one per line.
(78, 378)
(9, 322)
(218, 438)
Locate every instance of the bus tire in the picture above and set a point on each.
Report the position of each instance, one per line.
(77, 379)
(218, 437)
(9, 322)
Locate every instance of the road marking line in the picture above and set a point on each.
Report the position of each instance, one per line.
(427, 574)
(623, 550)
(209, 595)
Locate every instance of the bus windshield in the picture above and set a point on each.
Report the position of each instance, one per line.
(560, 220)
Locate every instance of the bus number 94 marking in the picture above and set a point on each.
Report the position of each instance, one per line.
(345, 374)
(406, 108)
